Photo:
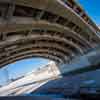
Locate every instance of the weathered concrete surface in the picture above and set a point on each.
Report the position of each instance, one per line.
(60, 27)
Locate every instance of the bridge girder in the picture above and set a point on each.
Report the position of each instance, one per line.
(61, 27)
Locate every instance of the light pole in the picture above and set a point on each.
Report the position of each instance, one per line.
(6, 75)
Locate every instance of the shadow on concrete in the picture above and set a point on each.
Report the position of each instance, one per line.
(70, 86)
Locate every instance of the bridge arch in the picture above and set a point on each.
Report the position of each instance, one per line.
(55, 29)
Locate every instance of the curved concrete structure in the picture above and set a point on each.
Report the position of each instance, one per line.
(58, 30)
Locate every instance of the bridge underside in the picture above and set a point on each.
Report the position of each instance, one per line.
(43, 28)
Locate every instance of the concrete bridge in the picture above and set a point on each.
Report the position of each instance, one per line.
(31, 81)
(59, 30)
(47, 82)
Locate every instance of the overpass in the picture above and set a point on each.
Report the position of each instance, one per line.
(31, 81)
(47, 82)
(59, 30)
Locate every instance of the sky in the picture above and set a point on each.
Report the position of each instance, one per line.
(92, 8)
